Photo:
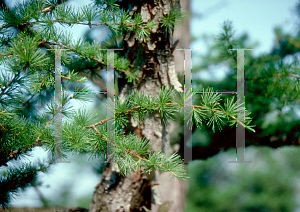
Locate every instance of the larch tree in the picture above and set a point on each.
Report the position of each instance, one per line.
(272, 82)
(150, 95)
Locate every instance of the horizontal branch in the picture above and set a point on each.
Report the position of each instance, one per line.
(141, 158)
(69, 78)
(7, 54)
(74, 50)
(138, 107)
(47, 9)
(12, 153)
(52, 119)
(14, 78)
(285, 98)
(133, 153)
(81, 23)
(275, 75)
(72, 22)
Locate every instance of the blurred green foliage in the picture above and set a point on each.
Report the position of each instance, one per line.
(269, 184)
(272, 85)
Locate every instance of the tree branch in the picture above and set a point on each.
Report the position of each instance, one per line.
(14, 78)
(51, 119)
(275, 75)
(138, 107)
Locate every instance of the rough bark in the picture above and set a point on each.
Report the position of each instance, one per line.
(139, 192)
(174, 190)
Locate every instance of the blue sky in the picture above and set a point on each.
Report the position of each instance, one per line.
(255, 17)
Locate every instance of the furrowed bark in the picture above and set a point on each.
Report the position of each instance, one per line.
(140, 192)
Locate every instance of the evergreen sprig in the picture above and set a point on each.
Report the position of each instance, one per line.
(18, 178)
(169, 21)
(48, 32)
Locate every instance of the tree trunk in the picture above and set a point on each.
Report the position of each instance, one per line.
(139, 192)
(173, 190)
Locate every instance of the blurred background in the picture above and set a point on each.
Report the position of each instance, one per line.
(271, 183)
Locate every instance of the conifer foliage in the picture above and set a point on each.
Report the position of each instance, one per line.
(27, 85)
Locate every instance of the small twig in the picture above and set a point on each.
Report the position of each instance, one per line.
(12, 153)
(69, 78)
(276, 75)
(96, 124)
(82, 23)
(285, 98)
(6, 54)
(146, 209)
(48, 9)
(74, 50)
(16, 75)
(138, 107)
(51, 120)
